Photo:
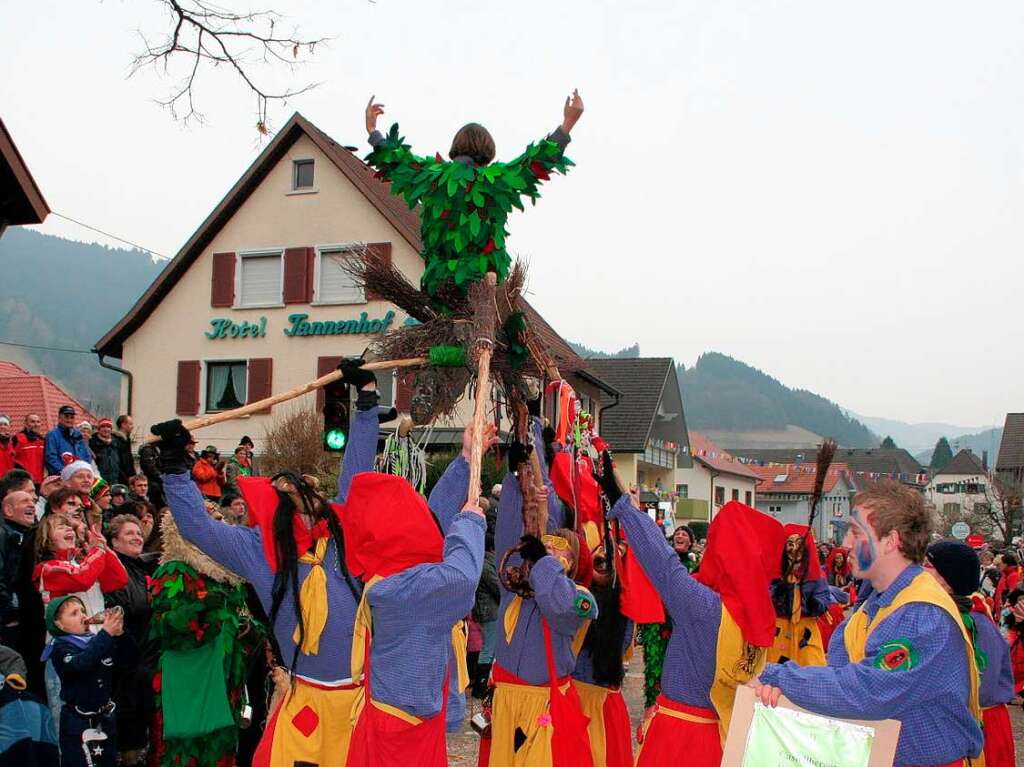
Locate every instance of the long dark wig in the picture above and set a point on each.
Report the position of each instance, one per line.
(606, 637)
(287, 575)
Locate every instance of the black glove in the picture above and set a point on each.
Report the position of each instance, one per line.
(518, 454)
(174, 437)
(531, 549)
(533, 406)
(353, 374)
(609, 484)
(367, 400)
(387, 415)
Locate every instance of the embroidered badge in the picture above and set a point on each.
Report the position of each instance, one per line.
(898, 655)
(584, 604)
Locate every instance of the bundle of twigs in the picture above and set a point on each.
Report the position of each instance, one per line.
(826, 453)
(437, 389)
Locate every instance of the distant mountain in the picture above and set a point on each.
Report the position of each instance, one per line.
(916, 437)
(629, 352)
(66, 294)
(983, 442)
(722, 394)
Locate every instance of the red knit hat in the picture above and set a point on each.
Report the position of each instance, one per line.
(388, 527)
(742, 557)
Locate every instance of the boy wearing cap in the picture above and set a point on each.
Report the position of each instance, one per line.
(64, 443)
(85, 663)
(955, 566)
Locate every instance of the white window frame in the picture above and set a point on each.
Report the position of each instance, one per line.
(204, 378)
(258, 253)
(321, 250)
(296, 189)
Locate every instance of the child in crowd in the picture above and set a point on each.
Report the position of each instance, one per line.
(84, 662)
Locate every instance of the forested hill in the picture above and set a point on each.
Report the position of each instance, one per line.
(67, 294)
(724, 394)
(586, 353)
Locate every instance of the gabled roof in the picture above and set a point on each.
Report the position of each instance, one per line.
(22, 393)
(1011, 448)
(21, 202)
(405, 221)
(641, 382)
(964, 462)
(872, 460)
(796, 479)
(704, 451)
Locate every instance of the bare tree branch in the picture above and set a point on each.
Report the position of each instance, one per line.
(206, 35)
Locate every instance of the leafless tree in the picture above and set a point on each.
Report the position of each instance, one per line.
(293, 441)
(993, 512)
(206, 35)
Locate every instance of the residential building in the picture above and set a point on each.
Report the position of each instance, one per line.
(959, 489)
(22, 394)
(644, 423)
(256, 302)
(865, 465)
(1010, 462)
(21, 201)
(714, 478)
(785, 492)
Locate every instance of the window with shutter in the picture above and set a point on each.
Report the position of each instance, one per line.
(222, 287)
(298, 275)
(226, 385)
(261, 372)
(334, 285)
(259, 280)
(403, 392)
(324, 365)
(188, 388)
(383, 250)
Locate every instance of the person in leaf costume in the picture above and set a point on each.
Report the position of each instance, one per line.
(466, 202)
(206, 636)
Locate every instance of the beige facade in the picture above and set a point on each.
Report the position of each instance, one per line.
(177, 321)
(713, 489)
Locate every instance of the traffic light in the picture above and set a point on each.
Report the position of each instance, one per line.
(336, 416)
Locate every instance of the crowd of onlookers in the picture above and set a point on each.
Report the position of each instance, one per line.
(79, 542)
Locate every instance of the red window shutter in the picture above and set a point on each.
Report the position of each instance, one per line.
(382, 250)
(298, 275)
(188, 388)
(324, 365)
(261, 374)
(403, 392)
(222, 288)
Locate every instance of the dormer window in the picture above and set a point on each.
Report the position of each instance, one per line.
(302, 174)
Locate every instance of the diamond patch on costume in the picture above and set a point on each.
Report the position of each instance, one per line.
(898, 655)
(306, 721)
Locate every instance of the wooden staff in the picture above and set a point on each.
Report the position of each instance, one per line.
(277, 399)
(483, 299)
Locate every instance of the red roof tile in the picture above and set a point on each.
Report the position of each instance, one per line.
(796, 478)
(22, 394)
(705, 451)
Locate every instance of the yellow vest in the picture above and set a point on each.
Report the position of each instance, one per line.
(924, 589)
(736, 663)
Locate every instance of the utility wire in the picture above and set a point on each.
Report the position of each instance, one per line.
(45, 348)
(108, 234)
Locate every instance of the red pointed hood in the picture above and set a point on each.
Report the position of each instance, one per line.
(741, 559)
(261, 499)
(810, 550)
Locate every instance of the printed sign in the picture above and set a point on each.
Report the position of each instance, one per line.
(961, 530)
(782, 736)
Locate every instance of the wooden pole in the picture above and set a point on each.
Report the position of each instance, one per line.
(485, 348)
(298, 391)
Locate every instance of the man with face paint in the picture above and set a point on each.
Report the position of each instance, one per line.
(904, 653)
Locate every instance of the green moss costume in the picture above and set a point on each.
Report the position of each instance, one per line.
(464, 208)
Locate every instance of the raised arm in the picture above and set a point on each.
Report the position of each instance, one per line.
(685, 598)
(362, 443)
(409, 174)
(560, 602)
(449, 493)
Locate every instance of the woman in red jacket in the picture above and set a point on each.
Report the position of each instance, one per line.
(208, 474)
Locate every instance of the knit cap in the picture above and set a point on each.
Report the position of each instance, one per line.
(73, 468)
(51, 614)
(958, 564)
(99, 488)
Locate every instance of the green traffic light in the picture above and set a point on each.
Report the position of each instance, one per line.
(335, 439)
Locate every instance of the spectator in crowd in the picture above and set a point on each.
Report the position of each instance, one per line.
(50, 484)
(6, 445)
(233, 509)
(84, 663)
(138, 484)
(240, 465)
(1014, 623)
(19, 514)
(100, 497)
(65, 444)
(118, 496)
(208, 473)
(106, 451)
(149, 466)
(989, 574)
(123, 440)
(79, 477)
(133, 682)
(29, 734)
(1010, 578)
(29, 447)
(16, 479)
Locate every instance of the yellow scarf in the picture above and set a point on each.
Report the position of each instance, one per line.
(313, 599)
(922, 589)
(511, 619)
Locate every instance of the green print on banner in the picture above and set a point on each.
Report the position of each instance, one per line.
(301, 326)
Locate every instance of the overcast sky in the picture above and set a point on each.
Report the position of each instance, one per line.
(829, 191)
